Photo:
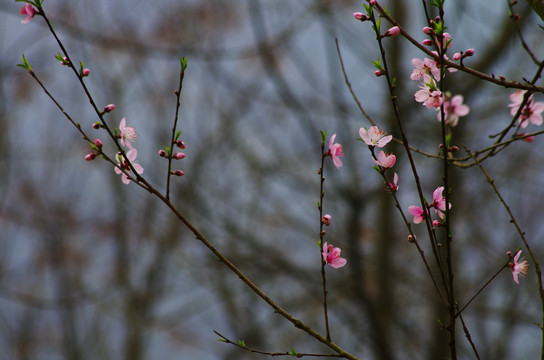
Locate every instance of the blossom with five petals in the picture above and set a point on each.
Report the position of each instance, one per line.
(439, 201)
(428, 94)
(331, 256)
(335, 152)
(131, 156)
(519, 267)
(374, 136)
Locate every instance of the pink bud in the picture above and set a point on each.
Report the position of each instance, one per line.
(109, 108)
(379, 73)
(29, 11)
(469, 52)
(162, 153)
(457, 56)
(360, 16)
(526, 138)
(372, 2)
(178, 173)
(394, 31)
(98, 143)
(65, 61)
(96, 125)
(85, 72)
(90, 156)
(437, 223)
(509, 254)
(326, 219)
(427, 30)
(180, 144)
(427, 42)
(179, 156)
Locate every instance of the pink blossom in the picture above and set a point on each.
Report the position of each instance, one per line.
(453, 110)
(439, 201)
(326, 219)
(394, 31)
(394, 186)
(386, 161)
(374, 136)
(331, 256)
(29, 11)
(335, 152)
(419, 215)
(424, 67)
(428, 94)
(131, 155)
(531, 112)
(519, 267)
(128, 134)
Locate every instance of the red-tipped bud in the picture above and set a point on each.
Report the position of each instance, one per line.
(98, 143)
(178, 156)
(326, 220)
(379, 73)
(360, 16)
(109, 108)
(90, 156)
(427, 42)
(469, 52)
(85, 72)
(427, 30)
(457, 56)
(180, 144)
(162, 153)
(394, 31)
(178, 173)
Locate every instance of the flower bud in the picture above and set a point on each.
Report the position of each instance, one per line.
(379, 73)
(180, 144)
(394, 31)
(162, 153)
(178, 156)
(372, 2)
(360, 16)
(109, 108)
(98, 143)
(427, 42)
(178, 173)
(457, 56)
(96, 125)
(85, 72)
(326, 220)
(90, 156)
(469, 52)
(427, 30)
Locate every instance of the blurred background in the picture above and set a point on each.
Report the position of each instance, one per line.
(93, 269)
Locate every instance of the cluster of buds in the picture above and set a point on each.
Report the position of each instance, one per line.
(168, 154)
(97, 147)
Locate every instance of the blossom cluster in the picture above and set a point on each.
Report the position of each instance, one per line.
(438, 205)
(428, 72)
(375, 137)
(531, 111)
